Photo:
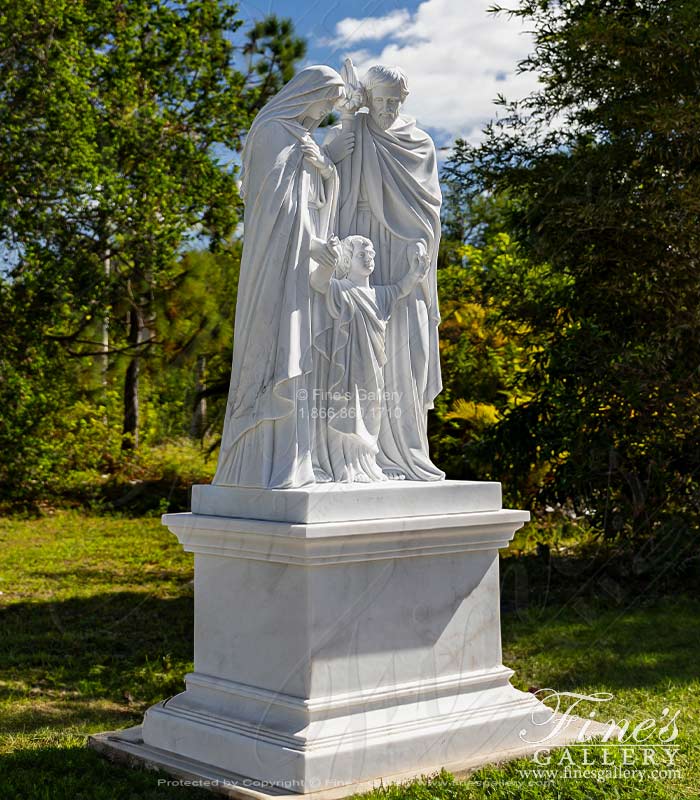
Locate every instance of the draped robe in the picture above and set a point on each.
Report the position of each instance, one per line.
(267, 436)
(390, 193)
(351, 346)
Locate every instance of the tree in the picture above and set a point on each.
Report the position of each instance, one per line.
(31, 385)
(113, 118)
(272, 52)
(488, 344)
(601, 167)
(195, 318)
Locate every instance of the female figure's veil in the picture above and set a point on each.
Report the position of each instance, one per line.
(307, 87)
(267, 433)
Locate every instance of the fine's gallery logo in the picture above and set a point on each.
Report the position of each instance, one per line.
(563, 711)
(618, 748)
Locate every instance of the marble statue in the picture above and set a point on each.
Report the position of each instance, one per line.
(290, 191)
(374, 176)
(346, 625)
(353, 345)
(390, 192)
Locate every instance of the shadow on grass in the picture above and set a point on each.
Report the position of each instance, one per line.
(131, 648)
(145, 497)
(149, 497)
(588, 625)
(76, 773)
(125, 649)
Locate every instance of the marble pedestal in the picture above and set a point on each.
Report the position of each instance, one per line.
(329, 654)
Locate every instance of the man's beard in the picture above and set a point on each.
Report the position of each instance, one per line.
(387, 120)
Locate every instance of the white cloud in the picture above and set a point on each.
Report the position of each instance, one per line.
(373, 28)
(457, 56)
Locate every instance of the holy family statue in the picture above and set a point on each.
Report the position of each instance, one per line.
(336, 357)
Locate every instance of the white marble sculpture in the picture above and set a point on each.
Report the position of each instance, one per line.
(350, 404)
(346, 631)
(376, 175)
(290, 190)
(390, 192)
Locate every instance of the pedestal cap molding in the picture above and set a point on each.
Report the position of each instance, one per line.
(318, 544)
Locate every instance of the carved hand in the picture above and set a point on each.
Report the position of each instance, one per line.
(419, 259)
(341, 147)
(324, 253)
(312, 154)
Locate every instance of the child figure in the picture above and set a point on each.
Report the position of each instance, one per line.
(350, 343)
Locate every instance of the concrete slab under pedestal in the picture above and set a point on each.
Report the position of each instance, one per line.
(127, 748)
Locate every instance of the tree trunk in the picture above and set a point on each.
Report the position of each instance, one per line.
(198, 422)
(107, 263)
(130, 432)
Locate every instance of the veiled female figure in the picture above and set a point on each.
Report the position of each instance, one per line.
(290, 192)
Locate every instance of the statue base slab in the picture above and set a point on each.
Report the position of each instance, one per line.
(332, 654)
(347, 502)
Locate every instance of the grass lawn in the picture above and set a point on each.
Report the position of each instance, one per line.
(96, 625)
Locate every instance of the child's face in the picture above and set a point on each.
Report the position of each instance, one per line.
(362, 263)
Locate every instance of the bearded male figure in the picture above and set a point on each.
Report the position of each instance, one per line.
(390, 193)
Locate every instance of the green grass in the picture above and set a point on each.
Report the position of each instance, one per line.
(96, 625)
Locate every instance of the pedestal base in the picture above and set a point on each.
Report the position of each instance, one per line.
(128, 749)
(330, 654)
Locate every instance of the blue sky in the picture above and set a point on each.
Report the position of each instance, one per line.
(457, 56)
